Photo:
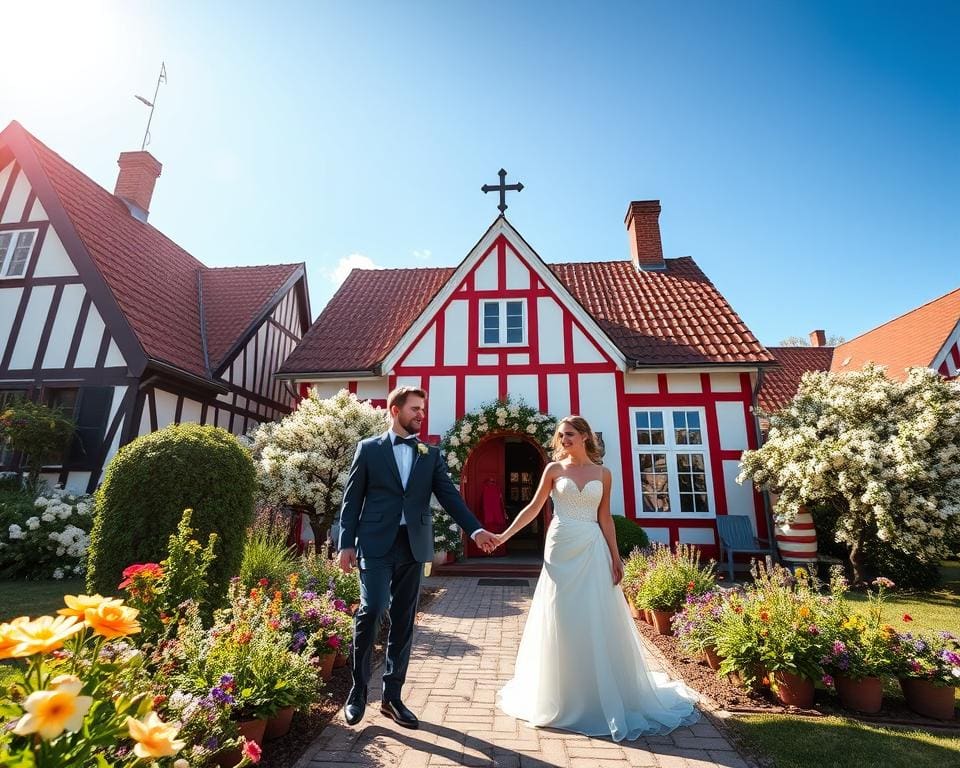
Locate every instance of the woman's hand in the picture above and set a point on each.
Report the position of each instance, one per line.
(617, 570)
(499, 540)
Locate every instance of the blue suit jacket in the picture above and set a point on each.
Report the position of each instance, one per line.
(374, 499)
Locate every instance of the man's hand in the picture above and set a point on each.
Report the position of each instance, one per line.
(348, 560)
(486, 541)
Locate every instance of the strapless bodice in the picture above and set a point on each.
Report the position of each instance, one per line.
(570, 502)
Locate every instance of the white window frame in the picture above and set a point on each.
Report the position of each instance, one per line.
(502, 314)
(6, 258)
(671, 448)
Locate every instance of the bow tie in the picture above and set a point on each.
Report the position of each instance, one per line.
(411, 441)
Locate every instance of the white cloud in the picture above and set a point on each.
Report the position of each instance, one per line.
(354, 261)
(422, 254)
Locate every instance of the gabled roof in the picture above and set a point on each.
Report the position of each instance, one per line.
(907, 341)
(780, 384)
(673, 317)
(155, 282)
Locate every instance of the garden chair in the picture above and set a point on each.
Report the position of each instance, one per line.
(736, 536)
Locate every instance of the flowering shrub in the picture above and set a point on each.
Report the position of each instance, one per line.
(696, 624)
(48, 541)
(862, 647)
(321, 573)
(447, 536)
(499, 416)
(884, 454)
(928, 656)
(304, 459)
(672, 575)
(634, 571)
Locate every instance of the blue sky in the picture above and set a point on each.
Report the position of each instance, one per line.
(806, 154)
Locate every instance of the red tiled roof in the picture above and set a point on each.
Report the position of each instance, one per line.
(155, 281)
(907, 341)
(673, 317)
(780, 384)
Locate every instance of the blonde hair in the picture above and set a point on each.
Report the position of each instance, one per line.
(590, 442)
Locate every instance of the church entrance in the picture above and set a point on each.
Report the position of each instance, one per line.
(501, 478)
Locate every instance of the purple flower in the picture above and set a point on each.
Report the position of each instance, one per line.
(299, 641)
(211, 744)
(311, 613)
(813, 629)
(221, 696)
(326, 621)
(309, 594)
(827, 680)
(226, 681)
(839, 647)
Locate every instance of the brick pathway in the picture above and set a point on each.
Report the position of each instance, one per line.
(464, 649)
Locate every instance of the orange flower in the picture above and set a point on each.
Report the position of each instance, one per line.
(77, 604)
(44, 634)
(8, 640)
(804, 611)
(154, 737)
(113, 620)
(764, 616)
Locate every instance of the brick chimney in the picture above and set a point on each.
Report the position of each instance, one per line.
(818, 338)
(139, 172)
(643, 230)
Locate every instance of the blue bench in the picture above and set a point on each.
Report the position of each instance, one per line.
(736, 537)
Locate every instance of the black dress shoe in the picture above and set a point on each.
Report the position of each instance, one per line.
(353, 710)
(396, 711)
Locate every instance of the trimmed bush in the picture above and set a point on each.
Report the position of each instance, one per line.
(630, 536)
(145, 490)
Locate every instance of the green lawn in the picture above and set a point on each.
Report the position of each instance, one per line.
(936, 609)
(835, 742)
(35, 598)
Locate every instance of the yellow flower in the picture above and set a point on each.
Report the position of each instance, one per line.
(8, 640)
(44, 634)
(112, 620)
(804, 611)
(51, 712)
(78, 604)
(800, 573)
(154, 737)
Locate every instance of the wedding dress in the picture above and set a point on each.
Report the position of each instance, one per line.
(580, 666)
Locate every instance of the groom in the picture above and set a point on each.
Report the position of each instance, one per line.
(387, 527)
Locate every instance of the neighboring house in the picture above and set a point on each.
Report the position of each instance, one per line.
(105, 316)
(780, 384)
(646, 348)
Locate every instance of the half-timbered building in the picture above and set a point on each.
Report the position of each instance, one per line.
(646, 348)
(106, 317)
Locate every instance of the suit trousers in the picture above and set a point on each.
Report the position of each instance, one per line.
(390, 582)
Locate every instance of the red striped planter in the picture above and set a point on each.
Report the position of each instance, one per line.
(797, 541)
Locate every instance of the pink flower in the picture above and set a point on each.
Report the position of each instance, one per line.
(334, 642)
(827, 681)
(252, 751)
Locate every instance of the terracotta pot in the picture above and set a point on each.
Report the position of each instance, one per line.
(279, 724)
(340, 660)
(929, 700)
(713, 658)
(326, 665)
(661, 622)
(251, 730)
(647, 616)
(634, 611)
(793, 690)
(863, 695)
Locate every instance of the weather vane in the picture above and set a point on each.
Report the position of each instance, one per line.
(152, 104)
(502, 188)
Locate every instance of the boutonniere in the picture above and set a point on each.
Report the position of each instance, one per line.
(422, 447)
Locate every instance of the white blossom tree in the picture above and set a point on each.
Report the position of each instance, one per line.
(303, 460)
(884, 454)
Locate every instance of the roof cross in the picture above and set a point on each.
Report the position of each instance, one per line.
(502, 188)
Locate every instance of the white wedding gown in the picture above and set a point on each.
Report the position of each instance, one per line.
(580, 666)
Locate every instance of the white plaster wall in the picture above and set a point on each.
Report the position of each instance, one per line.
(584, 350)
(28, 340)
(696, 536)
(190, 413)
(424, 351)
(18, 199)
(166, 407)
(488, 360)
(442, 403)
(739, 497)
(409, 381)
(659, 535)
(328, 388)
(77, 482)
(550, 330)
(144, 428)
(518, 359)
(641, 384)
(373, 389)
(944, 355)
(53, 260)
(683, 382)
(5, 175)
(598, 405)
(455, 334)
(725, 382)
(479, 390)
(558, 394)
(518, 276)
(37, 213)
(63, 325)
(114, 358)
(90, 339)
(732, 427)
(485, 276)
(525, 387)
(9, 301)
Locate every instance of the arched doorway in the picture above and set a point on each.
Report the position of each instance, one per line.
(505, 468)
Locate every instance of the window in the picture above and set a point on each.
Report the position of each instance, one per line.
(8, 455)
(15, 250)
(671, 463)
(503, 323)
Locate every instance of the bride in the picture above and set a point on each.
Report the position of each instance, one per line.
(580, 666)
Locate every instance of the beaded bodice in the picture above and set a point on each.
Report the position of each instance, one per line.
(570, 502)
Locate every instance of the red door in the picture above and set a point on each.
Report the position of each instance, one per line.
(485, 462)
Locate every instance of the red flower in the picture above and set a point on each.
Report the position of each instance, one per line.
(907, 617)
(146, 570)
(691, 586)
(264, 582)
(252, 751)
(334, 642)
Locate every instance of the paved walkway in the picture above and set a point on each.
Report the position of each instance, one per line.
(464, 650)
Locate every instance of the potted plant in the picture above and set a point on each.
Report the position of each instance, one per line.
(928, 666)
(670, 577)
(634, 570)
(695, 626)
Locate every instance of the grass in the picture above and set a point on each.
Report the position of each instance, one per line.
(35, 598)
(936, 609)
(835, 742)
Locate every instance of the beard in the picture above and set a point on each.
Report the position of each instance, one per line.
(410, 426)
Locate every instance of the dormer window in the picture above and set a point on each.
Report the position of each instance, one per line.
(15, 248)
(503, 323)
